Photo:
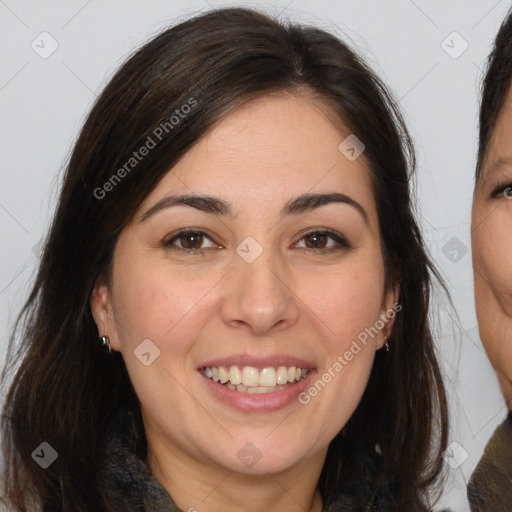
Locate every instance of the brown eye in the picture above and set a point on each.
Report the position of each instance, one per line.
(317, 241)
(189, 241)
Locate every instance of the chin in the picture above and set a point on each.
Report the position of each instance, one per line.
(259, 458)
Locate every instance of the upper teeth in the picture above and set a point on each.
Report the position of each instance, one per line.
(249, 376)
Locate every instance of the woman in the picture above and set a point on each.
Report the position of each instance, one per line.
(490, 487)
(235, 228)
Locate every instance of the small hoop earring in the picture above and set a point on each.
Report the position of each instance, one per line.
(105, 340)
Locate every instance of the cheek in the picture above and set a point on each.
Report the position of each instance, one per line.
(338, 387)
(347, 300)
(492, 247)
(492, 250)
(350, 302)
(152, 300)
(157, 304)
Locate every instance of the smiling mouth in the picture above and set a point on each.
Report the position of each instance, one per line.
(247, 379)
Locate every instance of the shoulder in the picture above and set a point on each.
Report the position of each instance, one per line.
(490, 486)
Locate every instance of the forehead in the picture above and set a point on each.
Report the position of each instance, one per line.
(498, 157)
(282, 144)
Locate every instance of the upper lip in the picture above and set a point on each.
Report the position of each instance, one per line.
(258, 362)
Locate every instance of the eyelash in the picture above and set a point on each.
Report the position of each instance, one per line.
(339, 239)
(501, 191)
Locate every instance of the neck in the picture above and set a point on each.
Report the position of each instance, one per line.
(196, 486)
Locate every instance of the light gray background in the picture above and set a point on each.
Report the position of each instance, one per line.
(43, 102)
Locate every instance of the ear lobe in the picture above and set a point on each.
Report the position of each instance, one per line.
(101, 310)
(390, 308)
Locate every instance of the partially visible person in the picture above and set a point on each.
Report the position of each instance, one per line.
(490, 487)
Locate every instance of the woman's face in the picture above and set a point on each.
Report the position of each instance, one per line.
(492, 250)
(256, 293)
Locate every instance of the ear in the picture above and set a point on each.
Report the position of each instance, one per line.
(390, 308)
(101, 309)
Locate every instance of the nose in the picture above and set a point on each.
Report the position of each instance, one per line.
(259, 296)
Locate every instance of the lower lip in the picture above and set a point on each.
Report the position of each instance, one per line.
(258, 402)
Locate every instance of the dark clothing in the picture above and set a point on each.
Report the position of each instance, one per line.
(133, 488)
(490, 486)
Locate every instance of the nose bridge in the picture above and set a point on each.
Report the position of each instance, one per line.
(261, 277)
(259, 295)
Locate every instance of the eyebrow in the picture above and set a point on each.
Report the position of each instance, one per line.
(497, 165)
(219, 207)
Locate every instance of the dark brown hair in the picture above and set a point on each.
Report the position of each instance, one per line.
(222, 59)
(495, 87)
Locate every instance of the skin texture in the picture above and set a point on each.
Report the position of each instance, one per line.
(197, 308)
(492, 250)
